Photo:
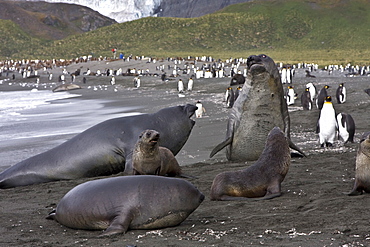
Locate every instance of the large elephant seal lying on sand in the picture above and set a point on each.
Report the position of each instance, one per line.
(149, 158)
(362, 178)
(103, 149)
(129, 202)
(66, 87)
(259, 108)
(262, 179)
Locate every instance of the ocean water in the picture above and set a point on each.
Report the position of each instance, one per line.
(33, 121)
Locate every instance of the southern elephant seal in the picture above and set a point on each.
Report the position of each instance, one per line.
(66, 87)
(362, 177)
(148, 158)
(259, 108)
(129, 202)
(262, 179)
(103, 149)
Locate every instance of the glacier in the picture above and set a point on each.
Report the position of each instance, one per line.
(119, 10)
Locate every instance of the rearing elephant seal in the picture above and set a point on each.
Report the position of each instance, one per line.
(103, 149)
(362, 178)
(149, 158)
(259, 107)
(127, 202)
(262, 179)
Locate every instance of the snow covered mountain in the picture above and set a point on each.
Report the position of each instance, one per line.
(127, 10)
(120, 10)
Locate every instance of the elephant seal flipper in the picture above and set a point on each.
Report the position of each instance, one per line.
(294, 147)
(221, 146)
(120, 224)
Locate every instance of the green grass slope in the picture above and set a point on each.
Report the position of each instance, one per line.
(290, 31)
(15, 40)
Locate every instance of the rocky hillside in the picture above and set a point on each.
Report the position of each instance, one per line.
(52, 21)
(128, 10)
(194, 8)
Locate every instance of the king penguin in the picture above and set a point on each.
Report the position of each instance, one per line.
(327, 124)
(341, 94)
(312, 90)
(321, 97)
(237, 92)
(229, 97)
(346, 127)
(290, 95)
(306, 100)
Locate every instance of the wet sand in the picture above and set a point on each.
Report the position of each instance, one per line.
(313, 211)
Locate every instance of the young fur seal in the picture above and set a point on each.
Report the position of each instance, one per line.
(149, 158)
(262, 179)
(362, 177)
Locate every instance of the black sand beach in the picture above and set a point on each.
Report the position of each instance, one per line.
(313, 211)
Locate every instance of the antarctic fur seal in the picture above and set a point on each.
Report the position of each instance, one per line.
(103, 149)
(127, 202)
(149, 158)
(259, 107)
(362, 177)
(262, 179)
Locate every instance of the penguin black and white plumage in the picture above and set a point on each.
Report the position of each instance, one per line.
(237, 92)
(180, 86)
(290, 95)
(327, 124)
(190, 84)
(341, 94)
(312, 89)
(306, 101)
(346, 127)
(321, 97)
(229, 97)
(200, 110)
